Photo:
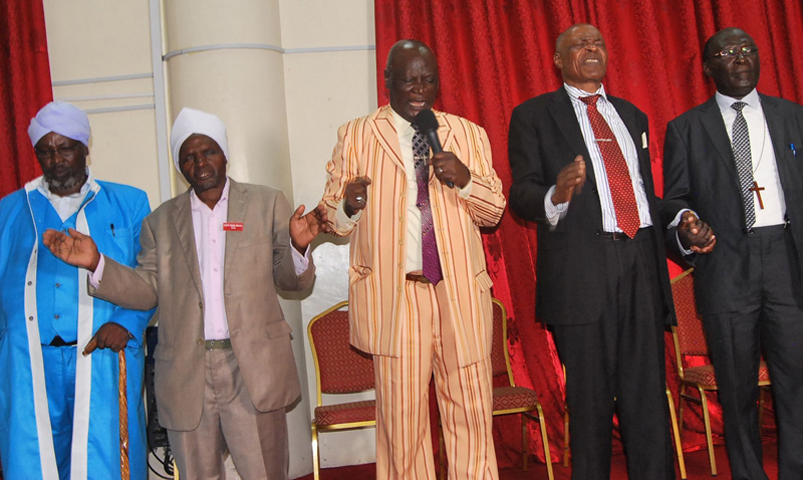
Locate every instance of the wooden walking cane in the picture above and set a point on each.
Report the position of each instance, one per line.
(122, 397)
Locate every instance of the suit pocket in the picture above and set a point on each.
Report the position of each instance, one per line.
(278, 329)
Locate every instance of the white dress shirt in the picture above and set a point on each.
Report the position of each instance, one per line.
(609, 224)
(765, 167)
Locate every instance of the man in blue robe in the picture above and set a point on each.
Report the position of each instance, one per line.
(58, 408)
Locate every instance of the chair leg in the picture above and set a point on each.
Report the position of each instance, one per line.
(545, 440)
(316, 460)
(681, 403)
(566, 451)
(676, 434)
(708, 437)
(524, 442)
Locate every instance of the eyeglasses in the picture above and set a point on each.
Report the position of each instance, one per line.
(745, 50)
(48, 153)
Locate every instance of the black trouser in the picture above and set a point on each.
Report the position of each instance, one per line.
(620, 357)
(773, 320)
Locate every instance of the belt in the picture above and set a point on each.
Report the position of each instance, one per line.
(59, 342)
(214, 344)
(617, 236)
(417, 277)
(770, 230)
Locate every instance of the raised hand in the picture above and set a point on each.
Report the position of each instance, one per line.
(303, 229)
(449, 168)
(356, 195)
(695, 234)
(110, 335)
(570, 181)
(74, 247)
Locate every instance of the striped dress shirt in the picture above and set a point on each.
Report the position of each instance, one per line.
(555, 212)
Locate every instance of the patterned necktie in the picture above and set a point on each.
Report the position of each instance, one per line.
(740, 142)
(619, 181)
(429, 247)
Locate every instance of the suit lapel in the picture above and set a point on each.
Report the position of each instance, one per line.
(780, 144)
(715, 128)
(562, 113)
(238, 195)
(182, 220)
(385, 132)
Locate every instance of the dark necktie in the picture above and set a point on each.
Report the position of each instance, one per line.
(429, 247)
(740, 141)
(619, 181)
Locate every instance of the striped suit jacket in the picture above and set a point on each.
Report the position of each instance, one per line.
(369, 146)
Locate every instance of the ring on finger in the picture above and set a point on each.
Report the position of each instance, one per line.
(440, 170)
(359, 198)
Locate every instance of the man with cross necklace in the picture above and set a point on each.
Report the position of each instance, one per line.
(732, 163)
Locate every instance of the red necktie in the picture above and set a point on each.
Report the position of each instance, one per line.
(619, 181)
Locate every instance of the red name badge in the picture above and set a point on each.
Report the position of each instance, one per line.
(232, 227)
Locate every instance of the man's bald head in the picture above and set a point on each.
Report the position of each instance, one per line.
(411, 77)
(565, 34)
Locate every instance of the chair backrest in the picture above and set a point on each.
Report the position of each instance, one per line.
(689, 332)
(500, 359)
(339, 367)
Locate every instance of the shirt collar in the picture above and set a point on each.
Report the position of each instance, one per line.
(575, 93)
(403, 127)
(89, 184)
(751, 99)
(197, 204)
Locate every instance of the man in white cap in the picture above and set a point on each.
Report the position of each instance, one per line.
(59, 409)
(212, 259)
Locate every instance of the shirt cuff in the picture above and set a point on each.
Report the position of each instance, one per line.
(96, 276)
(675, 223)
(465, 192)
(300, 262)
(554, 212)
(343, 219)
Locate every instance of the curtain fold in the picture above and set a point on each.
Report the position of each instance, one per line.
(24, 87)
(493, 55)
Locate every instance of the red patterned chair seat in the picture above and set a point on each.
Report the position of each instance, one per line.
(509, 398)
(704, 375)
(329, 415)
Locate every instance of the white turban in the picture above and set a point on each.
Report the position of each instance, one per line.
(63, 118)
(190, 122)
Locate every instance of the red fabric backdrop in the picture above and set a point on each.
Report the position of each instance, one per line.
(493, 55)
(24, 87)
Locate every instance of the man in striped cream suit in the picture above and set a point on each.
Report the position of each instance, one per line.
(420, 305)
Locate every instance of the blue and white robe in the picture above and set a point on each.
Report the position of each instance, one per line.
(112, 214)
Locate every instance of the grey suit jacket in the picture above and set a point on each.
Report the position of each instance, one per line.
(257, 262)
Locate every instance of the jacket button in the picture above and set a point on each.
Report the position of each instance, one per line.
(200, 342)
(201, 305)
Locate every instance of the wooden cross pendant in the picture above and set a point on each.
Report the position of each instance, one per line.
(758, 190)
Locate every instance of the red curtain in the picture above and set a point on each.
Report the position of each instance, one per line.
(24, 87)
(493, 55)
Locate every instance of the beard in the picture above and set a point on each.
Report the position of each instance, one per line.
(65, 183)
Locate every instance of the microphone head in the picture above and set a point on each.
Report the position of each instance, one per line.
(426, 121)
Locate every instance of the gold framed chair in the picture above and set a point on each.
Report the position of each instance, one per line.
(339, 369)
(689, 339)
(510, 400)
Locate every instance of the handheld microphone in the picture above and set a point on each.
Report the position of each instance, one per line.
(428, 125)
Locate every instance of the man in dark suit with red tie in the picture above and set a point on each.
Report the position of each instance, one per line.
(733, 162)
(581, 170)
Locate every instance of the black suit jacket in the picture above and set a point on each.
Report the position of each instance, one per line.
(570, 274)
(700, 174)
